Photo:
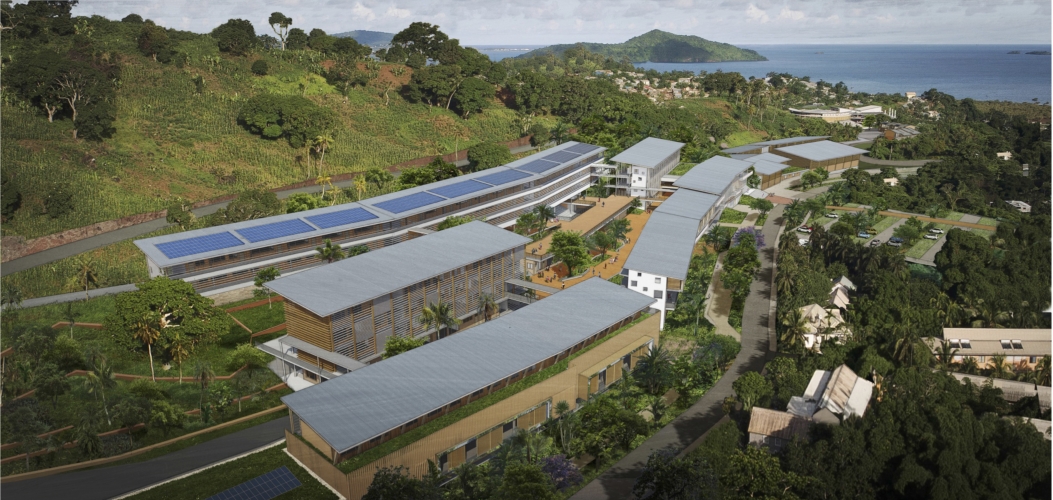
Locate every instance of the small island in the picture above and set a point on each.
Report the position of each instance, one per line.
(1038, 53)
(660, 46)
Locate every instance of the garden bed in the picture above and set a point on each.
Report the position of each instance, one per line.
(732, 216)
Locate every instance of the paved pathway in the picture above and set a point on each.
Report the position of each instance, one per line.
(618, 481)
(887, 233)
(77, 296)
(108, 482)
(132, 232)
(896, 163)
(718, 304)
(968, 221)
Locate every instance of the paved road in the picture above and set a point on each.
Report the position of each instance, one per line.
(896, 163)
(108, 482)
(132, 232)
(618, 481)
(77, 296)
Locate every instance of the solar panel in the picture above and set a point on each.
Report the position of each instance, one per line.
(581, 148)
(459, 189)
(199, 244)
(274, 230)
(503, 176)
(340, 218)
(265, 487)
(537, 166)
(561, 156)
(408, 202)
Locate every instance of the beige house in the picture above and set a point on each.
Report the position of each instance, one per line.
(1020, 346)
(839, 297)
(832, 396)
(823, 324)
(774, 429)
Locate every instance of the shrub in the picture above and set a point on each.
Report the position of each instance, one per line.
(260, 67)
(488, 155)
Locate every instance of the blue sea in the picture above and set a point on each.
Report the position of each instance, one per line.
(982, 72)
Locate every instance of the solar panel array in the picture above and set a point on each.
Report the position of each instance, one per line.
(340, 218)
(503, 177)
(199, 244)
(561, 156)
(408, 202)
(274, 230)
(581, 148)
(265, 487)
(460, 188)
(537, 166)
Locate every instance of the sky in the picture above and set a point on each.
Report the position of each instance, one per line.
(543, 22)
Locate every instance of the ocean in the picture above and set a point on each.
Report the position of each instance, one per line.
(982, 72)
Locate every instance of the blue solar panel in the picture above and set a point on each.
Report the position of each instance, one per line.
(200, 244)
(409, 202)
(459, 189)
(503, 177)
(274, 230)
(561, 156)
(333, 219)
(265, 487)
(537, 166)
(581, 148)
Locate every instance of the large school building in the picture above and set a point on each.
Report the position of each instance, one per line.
(772, 159)
(226, 257)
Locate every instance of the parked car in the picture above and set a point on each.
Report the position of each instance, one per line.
(932, 236)
(875, 243)
(863, 234)
(895, 241)
(831, 215)
(872, 231)
(936, 231)
(802, 241)
(805, 229)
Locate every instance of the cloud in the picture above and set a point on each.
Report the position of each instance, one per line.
(790, 15)
(396, 12)
(755, 14)
(359, 11)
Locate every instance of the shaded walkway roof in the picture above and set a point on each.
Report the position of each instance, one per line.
(648, 152)
(713, 175)
(821, 151)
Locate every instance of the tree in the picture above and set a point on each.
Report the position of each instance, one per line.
(542, 214)
(795, 326)
(204, 375)
(526, 481)
(99, 378)
(755, 473)
(87, 433)
(619, 228)
(454, 221)
(356, 250)
(539, 135)
(153, 42)
(147, 331)
(249, 205)
(50, 382)
(394, 482)
(86, 92)
(252, 362)
(487, 306)
(296, 118)
(179, 348)
(280, 24)
(421, 38)
(166, 416)
(764, 205)
(25, 426)
(666, 477)
(440, 316)
(654, 370)
(809, 179)
(321, 144)
(569, 248)
(602, 241)
(260, 67)
(473, 95)
(945, 356)
(301, 202)
(296, 39)
(236, 36)
(396, 345)
(330, 252)
(132, 19)
(487, 155)
(265, 275)
(180, 214)
(175, 305)
(751, 388)
(525, 223)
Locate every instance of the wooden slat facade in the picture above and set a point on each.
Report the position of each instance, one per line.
(308, 327)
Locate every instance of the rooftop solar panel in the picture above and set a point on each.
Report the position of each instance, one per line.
(537, 166)
(408, 202)
(581, 148)
(561, 156)
(340, 218)
(265, 487)
(459, 189)
(200, 244)
(275, 230)
(503, 177)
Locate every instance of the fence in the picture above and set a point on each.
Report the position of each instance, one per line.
(318, 464)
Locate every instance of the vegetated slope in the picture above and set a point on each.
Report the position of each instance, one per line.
(661, 46)
(366, 37)
(175, 138)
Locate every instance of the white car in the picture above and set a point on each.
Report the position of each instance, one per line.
(932, 236)
(802, 241)
(936, 231)
(804, 229)
(831, 215)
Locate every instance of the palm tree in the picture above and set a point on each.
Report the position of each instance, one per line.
(990, 315)
(147, 331)
(1042, 371)
(542, 214)
(999, 367)
(795, 326)
(179, 347)
(204, 375)
(535, 445)
(87, 275)
(97, 380)
(487, 306)
(440, 316)
(323, 180)
(695, 303)
(330, 252)
(71, 317)
(654, 370)
(945, 356)
(619, 228)
(525, 223)
(559, 132)
(908, 346)
(360, 185)
(784, 278)
(321, 145)
(968, 365)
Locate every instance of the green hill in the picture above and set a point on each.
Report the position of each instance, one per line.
(661, 46)
(371, 38)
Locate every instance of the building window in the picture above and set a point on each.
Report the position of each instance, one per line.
(444, 461)
(470, 451)
(645, 289)
(632, 283)
(657, 281)
(1017, 344)
(1006, 344)
(657, 294)
(983, 359)
(1031, 359)
(639, 274)
(966, 344)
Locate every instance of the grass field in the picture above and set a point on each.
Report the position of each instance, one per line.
(732, 216)
(884, 223)
(223, 477)
(923, 245)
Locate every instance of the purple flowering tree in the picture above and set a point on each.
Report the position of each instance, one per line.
(758, 237)
(563, 472)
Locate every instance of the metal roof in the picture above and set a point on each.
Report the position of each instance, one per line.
(765, 167)
(772, 157)
(821, 151)
(648, 152)
(334, 287)
(713, 175)
(778, 424)
(334, 219)
(746, 148)
(687, 203)
(664, 246)
(368, 402)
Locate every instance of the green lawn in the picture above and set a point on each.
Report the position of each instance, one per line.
(761, 220)
(682, 168)
(954, 216)
(223, 477)
(884, 223)
(732, 216)
(262, 317)
(987, 221)
(923, 245)
(742, 137)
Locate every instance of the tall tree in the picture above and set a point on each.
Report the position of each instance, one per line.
(236, 36)
(280, 24)
(148, 331)
(487, 306)
(263, 276)
(330, 252)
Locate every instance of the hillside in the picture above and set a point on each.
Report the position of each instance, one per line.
(661, 46)
(365, 37)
